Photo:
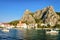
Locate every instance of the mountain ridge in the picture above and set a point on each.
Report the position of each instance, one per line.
(47, 16)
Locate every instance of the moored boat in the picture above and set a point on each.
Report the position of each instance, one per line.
(52, 32)
(5, 30)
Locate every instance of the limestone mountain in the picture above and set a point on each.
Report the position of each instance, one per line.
(47, 16)
(27, 17)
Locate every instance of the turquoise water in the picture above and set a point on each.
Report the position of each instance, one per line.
(15, 34)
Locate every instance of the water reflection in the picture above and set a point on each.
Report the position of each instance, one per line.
(15, 34)
(58, 37)
(35, 35)
(39, 35)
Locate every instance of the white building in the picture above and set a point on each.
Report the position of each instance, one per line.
(21, 25)
(43, 24)
(6, 25)
(32, 26)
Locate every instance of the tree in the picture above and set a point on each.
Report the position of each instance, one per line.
(14, 22)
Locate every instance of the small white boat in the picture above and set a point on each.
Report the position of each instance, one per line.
(5, 30)
(52, 32)
(56, 29)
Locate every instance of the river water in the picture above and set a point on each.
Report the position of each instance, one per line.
(16, 34)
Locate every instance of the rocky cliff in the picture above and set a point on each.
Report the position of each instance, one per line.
(27, 17)
(47, 16)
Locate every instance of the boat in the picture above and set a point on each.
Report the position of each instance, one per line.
(5, 30)
(56, 29)
(52, 32)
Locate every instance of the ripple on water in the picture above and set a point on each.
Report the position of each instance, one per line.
(15, 34)
(11, 35)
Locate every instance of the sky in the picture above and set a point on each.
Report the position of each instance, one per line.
(14, 9)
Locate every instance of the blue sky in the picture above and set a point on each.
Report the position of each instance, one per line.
(14, 9)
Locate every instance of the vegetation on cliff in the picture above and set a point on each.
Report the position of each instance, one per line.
(15, 22)
(37, 21)
(58, 13)
(47, 16)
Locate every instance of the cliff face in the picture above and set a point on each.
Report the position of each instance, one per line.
(27, 17)
(47, 15)
(50, 16)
